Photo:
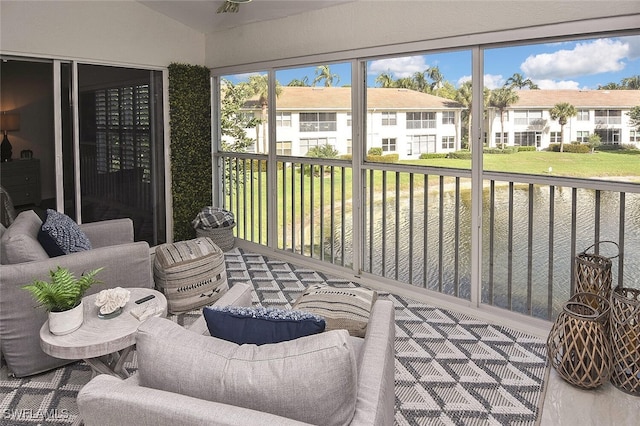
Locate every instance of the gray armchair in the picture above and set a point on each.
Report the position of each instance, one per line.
(181, 364)
(126, 264)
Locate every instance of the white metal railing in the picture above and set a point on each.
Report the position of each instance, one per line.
(416, 225)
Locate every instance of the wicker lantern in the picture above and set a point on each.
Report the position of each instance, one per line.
(578, 345)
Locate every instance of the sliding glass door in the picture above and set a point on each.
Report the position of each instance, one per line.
(120, 147)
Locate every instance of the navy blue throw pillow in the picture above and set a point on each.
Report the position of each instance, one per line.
(259, 325)
(60, 235)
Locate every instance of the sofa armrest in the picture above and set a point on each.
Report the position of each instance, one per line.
(238, 295)
(126, 265)
(109, 232)
(376, 386)
(111, 401)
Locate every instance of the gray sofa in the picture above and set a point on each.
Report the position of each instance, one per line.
(126, 264)
(187, 377)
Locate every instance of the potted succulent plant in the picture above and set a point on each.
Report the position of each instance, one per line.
(62, 298)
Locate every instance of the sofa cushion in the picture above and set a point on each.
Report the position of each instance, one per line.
(342, 308)
(61, 235)
(19, 242)
(258, 325)
(312, 379)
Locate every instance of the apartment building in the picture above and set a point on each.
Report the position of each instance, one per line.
(602, 112)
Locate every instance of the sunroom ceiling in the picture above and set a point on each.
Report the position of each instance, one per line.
(202, 15)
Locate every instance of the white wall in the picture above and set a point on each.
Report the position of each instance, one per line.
(373, 23)
(115, 32)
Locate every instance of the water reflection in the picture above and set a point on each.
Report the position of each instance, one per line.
(518, 253)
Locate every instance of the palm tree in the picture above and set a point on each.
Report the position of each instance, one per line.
(436, 77)
(517, 81)
(464, 96)
(299, 83)
(385, 80)
(610, 86)
(405, 83)
(631, 83)
(420, 81)
(501, 99)
(324, 73)
(259, 85)
(562, 112)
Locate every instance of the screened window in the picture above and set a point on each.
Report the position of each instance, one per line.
(421, 120)
(583, 115)
(526, 138)
(448, 117)
(388, 144)
(308, 143)
(283, 119)
(283, 148)
(582, 136)
(634, 136)
(609, 136)
(448, 142)
(555, 137)
(502, 138)
(608, 116)
(527, 118)
(348, 119)
(389, 118)
(318, 122)
(421, 144)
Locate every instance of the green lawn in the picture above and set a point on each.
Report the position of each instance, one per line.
(599, 164)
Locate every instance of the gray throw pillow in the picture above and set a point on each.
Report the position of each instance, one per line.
(60, 235)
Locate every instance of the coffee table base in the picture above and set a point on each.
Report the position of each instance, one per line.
(112, 364)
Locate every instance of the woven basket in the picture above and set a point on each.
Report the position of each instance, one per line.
(223, 236)
(593, 272)
(578, 345)
(625, 340)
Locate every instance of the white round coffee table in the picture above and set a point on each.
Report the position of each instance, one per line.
(104, 344)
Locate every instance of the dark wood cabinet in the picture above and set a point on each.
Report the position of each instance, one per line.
(21, 179)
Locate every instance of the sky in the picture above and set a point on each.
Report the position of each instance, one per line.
(583, 64)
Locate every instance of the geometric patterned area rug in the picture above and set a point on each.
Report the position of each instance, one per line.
(450, 369)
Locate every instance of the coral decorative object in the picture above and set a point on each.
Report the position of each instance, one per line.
(109, 301)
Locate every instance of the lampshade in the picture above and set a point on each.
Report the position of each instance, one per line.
(9, 122)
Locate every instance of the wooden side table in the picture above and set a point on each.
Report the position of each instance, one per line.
(104, 344)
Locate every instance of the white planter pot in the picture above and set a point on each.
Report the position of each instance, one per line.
(66, 322)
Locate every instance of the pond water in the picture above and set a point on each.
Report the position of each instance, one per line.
(510, 263)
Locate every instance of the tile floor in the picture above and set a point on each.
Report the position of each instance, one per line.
(567, 405)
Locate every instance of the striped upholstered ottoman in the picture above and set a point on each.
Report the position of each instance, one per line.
(190, 274)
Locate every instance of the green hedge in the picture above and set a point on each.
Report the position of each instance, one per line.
(432, 155)
(190, 120)
(527, 149)
(506, 150)
(388, 158)
(568, 147)
(460, 155)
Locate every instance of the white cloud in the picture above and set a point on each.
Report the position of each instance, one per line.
(493, 81)
(562, 84)
(399, 67)
(462, 79)
(634, 46)
(592, 57)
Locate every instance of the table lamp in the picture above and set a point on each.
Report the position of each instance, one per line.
(9, 122)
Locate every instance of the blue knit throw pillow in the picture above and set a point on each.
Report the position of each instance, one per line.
(259, 325)
(60, 235)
